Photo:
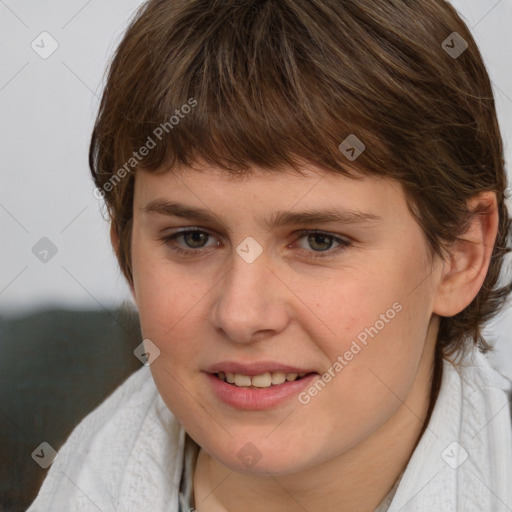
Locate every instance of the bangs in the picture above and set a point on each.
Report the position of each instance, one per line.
(251, 86)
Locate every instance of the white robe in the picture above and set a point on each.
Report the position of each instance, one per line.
(127, 455)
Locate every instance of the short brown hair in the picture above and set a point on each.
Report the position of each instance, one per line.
(278, 82)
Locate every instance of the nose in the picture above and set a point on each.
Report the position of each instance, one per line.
(251, 302)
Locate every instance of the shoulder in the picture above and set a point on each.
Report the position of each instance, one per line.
(99, 453)
(125, 408)
(482, 389)
(478, 374)
(466, 449)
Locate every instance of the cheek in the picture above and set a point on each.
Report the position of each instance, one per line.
(170, 314)
(169, 305)
(166, 298)
(376, 335)
(372, 367)
(362, 305)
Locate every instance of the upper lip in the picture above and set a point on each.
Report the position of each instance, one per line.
(255, 368)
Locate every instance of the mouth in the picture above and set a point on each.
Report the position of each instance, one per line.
(262, 381)
(259, 385)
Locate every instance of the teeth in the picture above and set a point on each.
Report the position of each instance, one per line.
(263, 380)
(278, 377)
(242, 380)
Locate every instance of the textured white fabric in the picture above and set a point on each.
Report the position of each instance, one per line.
(127, 455)
(463, 462)
(124, 456)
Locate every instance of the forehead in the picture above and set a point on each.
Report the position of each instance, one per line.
(270, 194)
(282, 182)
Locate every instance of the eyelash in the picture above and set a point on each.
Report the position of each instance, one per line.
(166, 240)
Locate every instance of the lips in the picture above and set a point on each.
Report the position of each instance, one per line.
(257, 384)
(258, 398)
(261, 374)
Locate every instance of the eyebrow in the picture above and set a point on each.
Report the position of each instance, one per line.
(280, 218)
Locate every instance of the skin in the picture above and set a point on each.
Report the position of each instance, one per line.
(346, 447)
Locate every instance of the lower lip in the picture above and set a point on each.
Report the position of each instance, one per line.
(263, 398)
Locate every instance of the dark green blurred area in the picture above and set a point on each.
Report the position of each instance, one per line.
(55, 367)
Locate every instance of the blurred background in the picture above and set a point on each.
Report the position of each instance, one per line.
(67, 321)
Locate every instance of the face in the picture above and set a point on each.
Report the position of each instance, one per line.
(251, 285)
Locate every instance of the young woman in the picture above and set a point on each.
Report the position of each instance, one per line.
(307, 200)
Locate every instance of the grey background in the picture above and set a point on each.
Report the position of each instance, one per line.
(47, 111)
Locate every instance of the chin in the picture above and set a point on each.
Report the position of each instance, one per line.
(261, 457)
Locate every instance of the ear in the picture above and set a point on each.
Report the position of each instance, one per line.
(114, 240)
(468, 259)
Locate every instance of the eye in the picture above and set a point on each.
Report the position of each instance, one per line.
(322, 243)
(194, 239)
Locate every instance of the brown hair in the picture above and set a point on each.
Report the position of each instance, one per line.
(273, 83)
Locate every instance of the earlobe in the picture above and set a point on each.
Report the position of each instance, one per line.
(468, 258)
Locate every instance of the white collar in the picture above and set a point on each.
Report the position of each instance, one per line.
(463, 462)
